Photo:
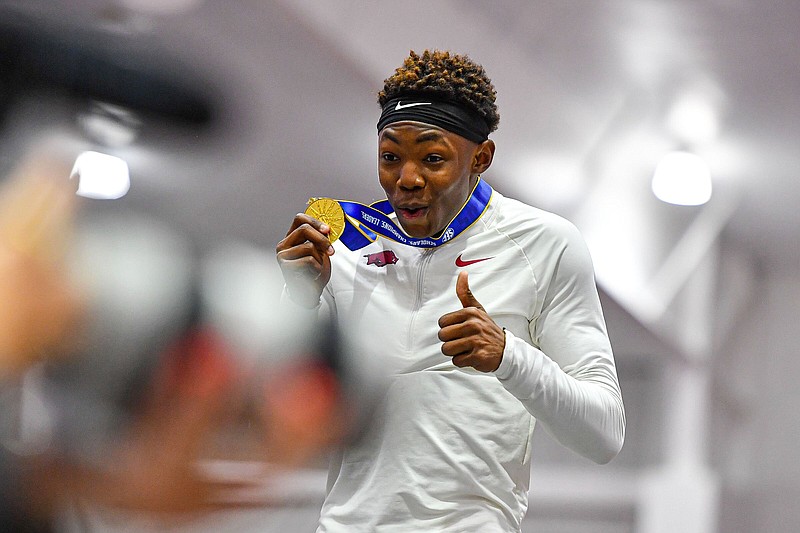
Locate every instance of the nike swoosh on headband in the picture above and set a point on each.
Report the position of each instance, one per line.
(400, 105)
(465, 262)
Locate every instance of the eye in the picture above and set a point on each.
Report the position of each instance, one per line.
(433, 158)
(389, 157)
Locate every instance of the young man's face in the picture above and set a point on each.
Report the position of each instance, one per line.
(427, 173)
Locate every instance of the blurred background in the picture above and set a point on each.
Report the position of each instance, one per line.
(229, 115)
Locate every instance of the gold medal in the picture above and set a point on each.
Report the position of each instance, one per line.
(330, 212)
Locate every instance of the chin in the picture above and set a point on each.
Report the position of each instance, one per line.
(416, 231)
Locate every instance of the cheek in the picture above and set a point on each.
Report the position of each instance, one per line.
(388, 177)
(385, 180)
(454, 195)
(455, 186)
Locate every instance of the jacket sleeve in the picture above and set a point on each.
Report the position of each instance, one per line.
(567, 377)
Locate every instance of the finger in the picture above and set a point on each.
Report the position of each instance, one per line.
(310, 229)
(453, 318)
(464, 293)
(302, 218)
(303, 234)
(461, 316)
(459, 330)
(457, 347)
(306, 250)
(463, 360)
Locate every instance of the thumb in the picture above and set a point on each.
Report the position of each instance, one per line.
(464, 294)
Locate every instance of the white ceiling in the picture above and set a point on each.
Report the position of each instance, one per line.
(584, 89)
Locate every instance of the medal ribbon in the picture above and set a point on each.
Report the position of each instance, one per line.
(363, 223)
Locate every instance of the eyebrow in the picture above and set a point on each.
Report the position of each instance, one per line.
(391, 137)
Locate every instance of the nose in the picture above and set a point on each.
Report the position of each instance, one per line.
(410, 177)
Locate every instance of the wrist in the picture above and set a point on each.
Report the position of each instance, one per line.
(503, 370)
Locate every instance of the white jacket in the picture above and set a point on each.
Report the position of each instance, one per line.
(451, 450)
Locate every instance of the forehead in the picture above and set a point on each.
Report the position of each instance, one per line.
(412, 131)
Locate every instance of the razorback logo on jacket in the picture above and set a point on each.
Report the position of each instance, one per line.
(387, 257)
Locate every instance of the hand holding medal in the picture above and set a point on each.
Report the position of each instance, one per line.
(304, 254)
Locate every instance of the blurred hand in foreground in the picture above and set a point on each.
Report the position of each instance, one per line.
(40, 310)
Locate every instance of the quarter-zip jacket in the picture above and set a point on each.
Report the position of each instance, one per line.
(451, 449)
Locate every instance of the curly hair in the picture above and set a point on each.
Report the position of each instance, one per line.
(448, 76)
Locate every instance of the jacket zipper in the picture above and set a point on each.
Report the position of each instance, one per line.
(425, 259)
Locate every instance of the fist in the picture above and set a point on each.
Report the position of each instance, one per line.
(469, 335)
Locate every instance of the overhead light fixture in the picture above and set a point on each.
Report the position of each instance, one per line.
(101, 176)
(682, 178)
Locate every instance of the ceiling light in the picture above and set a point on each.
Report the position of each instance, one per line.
(101, 176)
(682, 178)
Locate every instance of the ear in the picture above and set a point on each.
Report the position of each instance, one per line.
(484, 154)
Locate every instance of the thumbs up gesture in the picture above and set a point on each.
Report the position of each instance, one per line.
(469, 335)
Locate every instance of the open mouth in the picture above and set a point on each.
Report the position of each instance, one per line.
(412, 212)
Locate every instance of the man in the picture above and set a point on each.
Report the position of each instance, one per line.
(479, 359)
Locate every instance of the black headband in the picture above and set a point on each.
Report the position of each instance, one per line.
(447, 115)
